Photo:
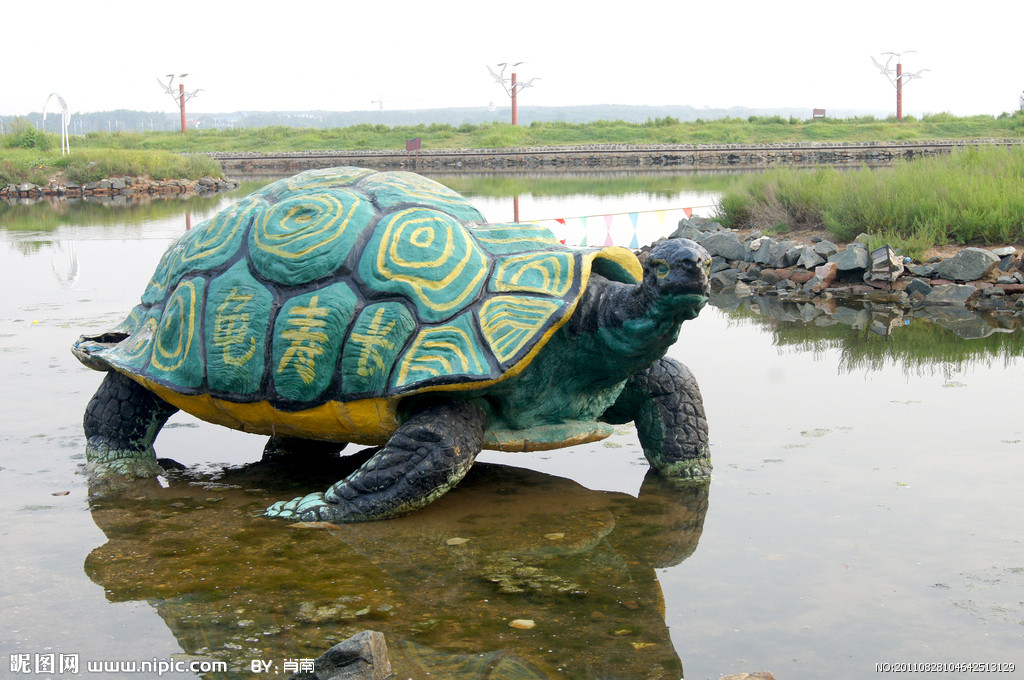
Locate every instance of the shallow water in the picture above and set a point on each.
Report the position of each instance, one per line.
(864, 508)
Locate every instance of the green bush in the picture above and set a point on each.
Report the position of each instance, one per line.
(24, 135)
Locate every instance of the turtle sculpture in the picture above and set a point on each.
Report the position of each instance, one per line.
(348, 305)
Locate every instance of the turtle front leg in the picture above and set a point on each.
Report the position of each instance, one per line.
(121, 422)
(425, 457)
(665, 404)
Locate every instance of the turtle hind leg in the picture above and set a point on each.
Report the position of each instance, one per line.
(665, 404)
(121, 422)
(428, 455)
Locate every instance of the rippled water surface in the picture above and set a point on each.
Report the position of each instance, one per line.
(865, 504)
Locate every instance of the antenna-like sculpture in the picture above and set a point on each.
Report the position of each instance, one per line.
(65, 120)
(511, 86)
(898, 80)
(180, 97)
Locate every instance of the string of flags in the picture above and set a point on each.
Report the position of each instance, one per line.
(630, 229)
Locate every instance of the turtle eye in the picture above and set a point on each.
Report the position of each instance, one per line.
(661, 268)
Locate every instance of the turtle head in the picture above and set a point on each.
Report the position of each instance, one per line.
(676, 272)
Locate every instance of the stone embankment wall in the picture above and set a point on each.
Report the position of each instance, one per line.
(754, 264)
(600, 157)
(128, 187)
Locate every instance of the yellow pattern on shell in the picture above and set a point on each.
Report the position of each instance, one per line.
(176, 330)
(310, 222)
(551, 273)
(510, 322)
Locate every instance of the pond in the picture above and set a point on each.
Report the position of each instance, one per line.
(864, 508)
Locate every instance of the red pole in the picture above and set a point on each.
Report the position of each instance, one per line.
(899, 93)
(515, 115)
(181, 93)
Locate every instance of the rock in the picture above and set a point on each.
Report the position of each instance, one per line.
(826, 249)
(770, 277)
(725, 278)
(809, 259)
(950, 294)
(801, 277)
(827, 272)
(763, 254)
(364, 656)
(724, 243)
(851, 258)
(1004, 251)
(779, 253)
(925, 270)
(970, 264)
(759, 675)
(687, 230)
(918, 286)
(718, 264)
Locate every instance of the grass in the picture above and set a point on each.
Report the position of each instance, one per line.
(752, 130)
(37, 167)
(970, 197)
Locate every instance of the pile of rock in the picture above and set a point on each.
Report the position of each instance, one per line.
(116, 186)
(756, 264)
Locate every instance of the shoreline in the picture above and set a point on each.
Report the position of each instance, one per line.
(128, 187)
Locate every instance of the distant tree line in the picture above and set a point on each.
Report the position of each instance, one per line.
(122, 120)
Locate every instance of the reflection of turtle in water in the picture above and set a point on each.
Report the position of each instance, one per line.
(346, 305)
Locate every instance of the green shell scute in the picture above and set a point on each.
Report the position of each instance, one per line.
(551, 273)
(176, 356)
(427, 256)
(377, 338)
(312, 179)
(304, 237)
(203, 248)
(511, 323)
(447, 353)
(394, 189)
(132, 354)
(505, 238)
(307, 341)
(238, 310)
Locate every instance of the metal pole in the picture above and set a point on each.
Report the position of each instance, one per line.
(181, 95)
(515, 114)
(899, 92)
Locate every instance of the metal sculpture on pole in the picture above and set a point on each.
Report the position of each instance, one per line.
(511, 86)
(65, 119)
(179, 97)
(898, 80)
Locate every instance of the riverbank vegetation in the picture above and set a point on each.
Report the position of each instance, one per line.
(969, 197)
(752, 130)
(30, 155)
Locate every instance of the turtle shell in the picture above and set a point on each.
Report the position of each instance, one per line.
(312, 306)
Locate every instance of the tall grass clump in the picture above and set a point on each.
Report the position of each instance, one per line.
(99, 164)
(971, 196)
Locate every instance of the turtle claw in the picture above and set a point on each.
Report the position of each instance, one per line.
(309, 508)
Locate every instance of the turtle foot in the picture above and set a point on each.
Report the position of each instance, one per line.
(108, 461)
(311, 508)
(697, 469)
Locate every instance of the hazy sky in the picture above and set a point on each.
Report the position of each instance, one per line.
(345, 55)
